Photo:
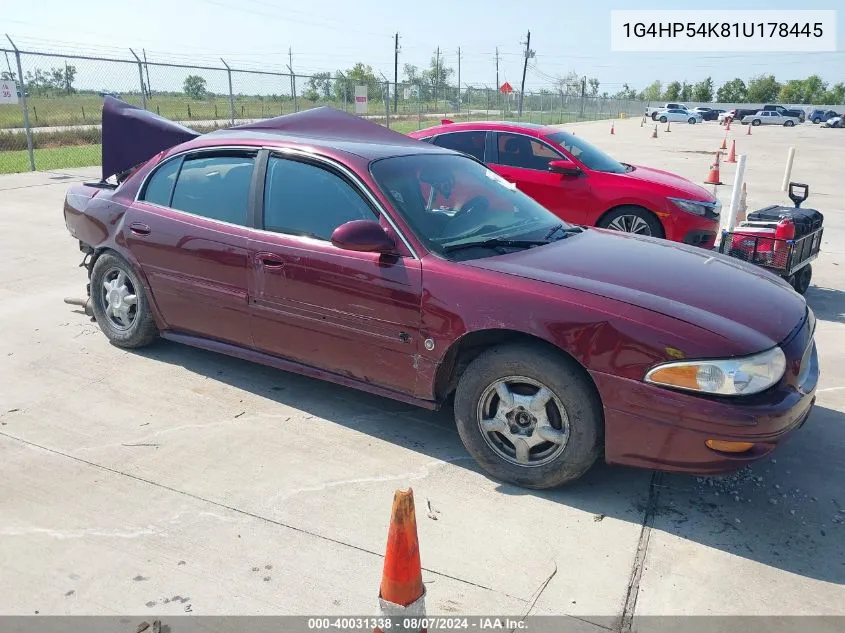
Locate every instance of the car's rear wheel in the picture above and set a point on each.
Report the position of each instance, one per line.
(529, 416)
(756, 122)
(788, 123)
(119, 303)
(632, 219)
(663, 119)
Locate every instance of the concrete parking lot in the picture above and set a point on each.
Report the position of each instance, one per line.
(172, 480)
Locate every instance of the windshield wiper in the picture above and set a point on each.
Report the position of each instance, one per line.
(494, 243)
(566, 231)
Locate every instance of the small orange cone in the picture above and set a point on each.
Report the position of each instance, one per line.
(713, 176)
(748, 133)
(728, 126)
(402, 592)
(642, 121)
(732, 154)
(654, 134)
(724, 144)
(611, 130)
(668, 126)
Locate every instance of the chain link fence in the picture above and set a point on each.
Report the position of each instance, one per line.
(55, 123)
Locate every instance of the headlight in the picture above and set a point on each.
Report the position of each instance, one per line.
(697, 207)
(728, 377)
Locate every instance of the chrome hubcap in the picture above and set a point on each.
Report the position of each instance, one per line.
(523, 421)
(630, 224)
(119, 299)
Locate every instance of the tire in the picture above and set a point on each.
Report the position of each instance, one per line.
(801, 280)
(756, 122)
(654, 116)
(692, 121)
(663, 119)
(581, 425)
(623, 219)
(137, 328)
(788, 123)
(817, 120)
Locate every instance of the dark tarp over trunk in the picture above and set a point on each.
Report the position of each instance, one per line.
(132, 136)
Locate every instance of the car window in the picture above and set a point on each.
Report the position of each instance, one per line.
(304, 199)
(517, 150)
(215, 187)
(471, 143)
(160, 185)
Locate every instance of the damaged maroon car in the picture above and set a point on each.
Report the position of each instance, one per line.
(323, 244)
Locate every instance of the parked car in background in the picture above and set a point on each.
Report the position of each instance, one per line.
(726, 114)
(652, 112)
(820, 116)
(837, 121)
(581, 184)
(676, 115)
(766, 117)
(707, 114)
(797, 113)
(323, 244)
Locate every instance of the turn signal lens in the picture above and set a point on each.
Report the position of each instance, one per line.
(724, 446)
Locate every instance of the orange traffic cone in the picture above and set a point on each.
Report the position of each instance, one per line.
(713, 176)
(724, 144)
(732, 154)
(728, 126)
(748, 133)
(654, 134)
(611, 130)
(642, 121)
(402, 592)
(668, 126)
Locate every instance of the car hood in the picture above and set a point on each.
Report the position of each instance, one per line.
(677, 185)
(737, 301)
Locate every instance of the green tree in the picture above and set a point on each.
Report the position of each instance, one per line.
(359, 75)
(673, 91)
(703, 91)
(194, 87)
(319, 86)
(763, 88)
(835, 96)
(626, 93)
(652, 92)
(593, 83)
(436, 77)
(733, 91)
(686, 91)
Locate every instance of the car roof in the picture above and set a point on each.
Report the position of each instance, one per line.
(323, 129)
(532, 129)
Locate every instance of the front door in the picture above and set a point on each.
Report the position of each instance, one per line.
(524, 160)
(354, 314)
(188, 231)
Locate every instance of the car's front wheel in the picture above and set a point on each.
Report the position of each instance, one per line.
(632, 219)
(529, 416)
(119, 303)
(817, 120)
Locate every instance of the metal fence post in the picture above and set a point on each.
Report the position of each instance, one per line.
(231, 94)
(22, 84)
(141, 77)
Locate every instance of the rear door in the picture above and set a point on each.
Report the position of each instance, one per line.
(524, 160)
(189, 232)
(353, 314)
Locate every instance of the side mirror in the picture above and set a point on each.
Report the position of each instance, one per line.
(364, 236)
(565, 168)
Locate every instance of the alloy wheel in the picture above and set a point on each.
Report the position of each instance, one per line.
(630, 224)
(120, 302)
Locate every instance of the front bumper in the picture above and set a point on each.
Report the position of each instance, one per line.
(652, 427)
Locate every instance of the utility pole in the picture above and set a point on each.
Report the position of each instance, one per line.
(459, 80)
(396, 73)
(496, 87)
(528, 53)
(292, 79)
(436, 77)
(147, 68)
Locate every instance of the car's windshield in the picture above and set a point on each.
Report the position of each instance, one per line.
(592, 157)
(459, 208)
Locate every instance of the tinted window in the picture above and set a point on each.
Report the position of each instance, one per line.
(471, 143)
(303, 199)
(160, 185)
(215, 187)
(516, 150)
(591, 156)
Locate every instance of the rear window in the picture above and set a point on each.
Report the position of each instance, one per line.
(215, 187)
(160, 186)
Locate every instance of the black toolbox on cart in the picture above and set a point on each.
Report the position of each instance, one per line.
(806, 220)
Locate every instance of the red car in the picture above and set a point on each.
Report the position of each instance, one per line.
(581, 184)
(323, 244)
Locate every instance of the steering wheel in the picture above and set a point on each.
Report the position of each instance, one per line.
(477, 204)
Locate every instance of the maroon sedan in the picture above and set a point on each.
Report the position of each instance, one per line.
(323, 244)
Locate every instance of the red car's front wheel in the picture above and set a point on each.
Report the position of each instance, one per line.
(631, 219)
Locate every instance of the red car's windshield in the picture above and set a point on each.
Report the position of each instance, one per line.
(590, 155)
(451, 201)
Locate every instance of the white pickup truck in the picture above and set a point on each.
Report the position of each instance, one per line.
(770, 117)
(652, 112)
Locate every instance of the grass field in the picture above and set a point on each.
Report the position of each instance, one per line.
(51, 158)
